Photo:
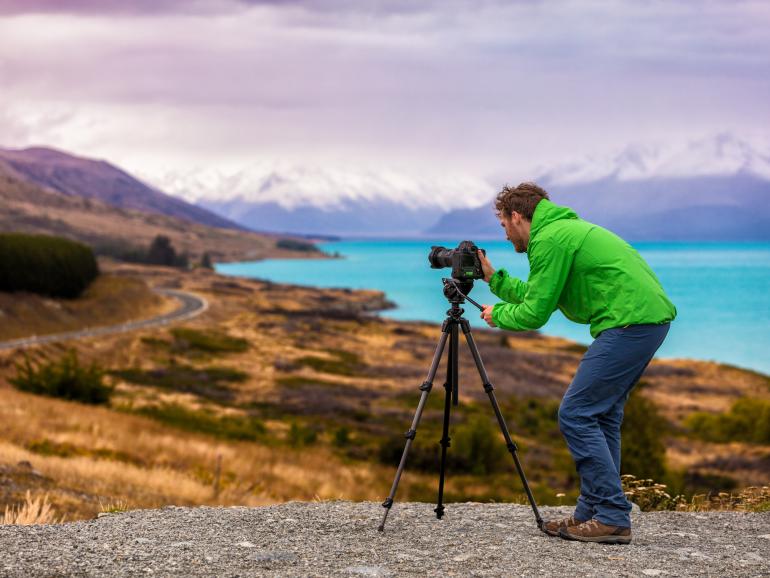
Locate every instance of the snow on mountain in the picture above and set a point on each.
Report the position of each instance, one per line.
(329, 188)
(722, 154)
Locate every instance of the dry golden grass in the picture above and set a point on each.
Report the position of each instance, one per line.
(109, 300)
(30, 512)
(171, 466)
(144, 463)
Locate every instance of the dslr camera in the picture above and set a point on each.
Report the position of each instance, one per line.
(464, 260)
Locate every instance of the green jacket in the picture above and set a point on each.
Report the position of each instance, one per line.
(587, 272)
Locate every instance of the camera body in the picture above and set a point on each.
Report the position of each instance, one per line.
(464, 260)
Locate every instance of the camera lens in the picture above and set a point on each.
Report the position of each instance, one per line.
(440, 257)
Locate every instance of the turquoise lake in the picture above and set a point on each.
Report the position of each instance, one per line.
(721, 291)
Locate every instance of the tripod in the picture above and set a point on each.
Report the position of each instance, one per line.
(456, 292)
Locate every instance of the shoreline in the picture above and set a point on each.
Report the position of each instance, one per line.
(673, 358)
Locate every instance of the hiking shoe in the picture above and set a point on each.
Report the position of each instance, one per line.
(551, 527)
(595, 531)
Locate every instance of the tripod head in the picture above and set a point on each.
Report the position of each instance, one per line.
(456, 292)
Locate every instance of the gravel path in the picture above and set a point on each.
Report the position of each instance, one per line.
(190, 306)
(341, 539)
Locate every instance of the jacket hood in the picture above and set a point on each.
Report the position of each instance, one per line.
(546, 213)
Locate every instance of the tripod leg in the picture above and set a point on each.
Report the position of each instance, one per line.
(410, 435)
(489, 389)
(450, 386)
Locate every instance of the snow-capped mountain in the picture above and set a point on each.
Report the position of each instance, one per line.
(722, 154)
(717, 188)
(712, 188)
(283, 196)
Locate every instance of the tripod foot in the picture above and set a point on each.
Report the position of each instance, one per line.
(439, 512)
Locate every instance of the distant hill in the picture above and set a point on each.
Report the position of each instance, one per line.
(28, 207)
(95, 179)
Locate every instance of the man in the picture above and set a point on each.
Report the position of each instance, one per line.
(595, 277)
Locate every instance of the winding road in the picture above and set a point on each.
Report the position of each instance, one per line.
(190, 305)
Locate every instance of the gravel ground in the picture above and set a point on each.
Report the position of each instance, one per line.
(341, 539)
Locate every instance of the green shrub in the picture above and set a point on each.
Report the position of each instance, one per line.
(477, 447)
(296, 245)
(534, 416)
(46, 265)
(643, 448)
(300, 435)
(64, 378)
(341, 437)
(748, 420)
(207, 341)
(247, 428)
(162, 252)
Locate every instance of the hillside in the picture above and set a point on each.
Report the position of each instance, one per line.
(99, 180)
(28, 207)
(279, 392)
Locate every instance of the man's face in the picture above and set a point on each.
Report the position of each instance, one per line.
(515, 231)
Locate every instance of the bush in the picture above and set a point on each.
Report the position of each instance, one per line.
(64, 378)
(300, 435)
(46, 265)
(479, 448)
(296, 245)
(476, 447)
(747, 421)
(642, 444)
(162, 252)
(209, 342)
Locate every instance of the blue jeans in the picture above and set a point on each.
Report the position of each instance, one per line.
(591, 412)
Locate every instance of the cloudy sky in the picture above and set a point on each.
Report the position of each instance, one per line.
(483, 87)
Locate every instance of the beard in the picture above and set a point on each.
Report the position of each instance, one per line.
(519, 246)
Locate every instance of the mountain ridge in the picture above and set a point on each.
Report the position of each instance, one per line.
(101, 180)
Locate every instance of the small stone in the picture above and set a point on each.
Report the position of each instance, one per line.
(181, 544)
(245, 544)
(375, 571)
(652, 572)
(274, 557)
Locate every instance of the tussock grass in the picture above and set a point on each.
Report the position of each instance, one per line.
(177, 466)
(650, 495)
(31, 511)
(65, 377)
(234, 427)
(207, 341)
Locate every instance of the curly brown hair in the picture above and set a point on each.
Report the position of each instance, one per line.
(522, 199)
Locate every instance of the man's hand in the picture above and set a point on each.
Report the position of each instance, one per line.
(486, 266)
(486, 315)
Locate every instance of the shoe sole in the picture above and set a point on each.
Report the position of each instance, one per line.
(597, 539)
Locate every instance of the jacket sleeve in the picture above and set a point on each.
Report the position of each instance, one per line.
(549, 268)
(507, 288)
